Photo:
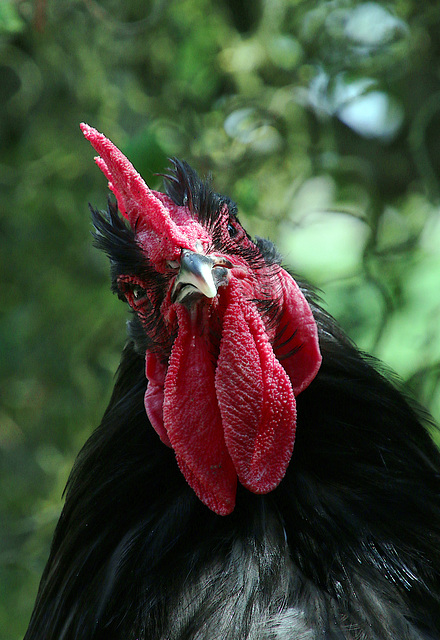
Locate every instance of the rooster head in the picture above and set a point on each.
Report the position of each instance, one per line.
(230, 340)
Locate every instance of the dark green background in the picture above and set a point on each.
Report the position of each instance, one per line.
(321, 119)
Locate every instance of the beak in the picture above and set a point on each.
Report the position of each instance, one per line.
(199, 274)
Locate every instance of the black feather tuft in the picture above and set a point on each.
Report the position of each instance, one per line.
(268, 250)
(117, 239)
(185, 188)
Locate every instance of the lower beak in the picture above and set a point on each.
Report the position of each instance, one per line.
(199, 274)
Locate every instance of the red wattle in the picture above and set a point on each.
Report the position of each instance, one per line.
(155, 372)
(298, 347)
(255, 397)
(192, 418)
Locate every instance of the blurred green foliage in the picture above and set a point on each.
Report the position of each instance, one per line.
(321, 119)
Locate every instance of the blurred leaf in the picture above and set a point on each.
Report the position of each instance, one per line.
(10, 19)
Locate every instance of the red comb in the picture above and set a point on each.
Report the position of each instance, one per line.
(136, 201)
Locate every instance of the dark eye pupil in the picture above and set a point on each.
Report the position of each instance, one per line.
(138, 292)
(232, 230)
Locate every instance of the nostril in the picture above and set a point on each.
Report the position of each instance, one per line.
(174, 264)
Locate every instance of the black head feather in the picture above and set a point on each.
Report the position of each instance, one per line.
(117, 239)
(184, 187)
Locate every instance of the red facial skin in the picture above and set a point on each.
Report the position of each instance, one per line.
(224, 396)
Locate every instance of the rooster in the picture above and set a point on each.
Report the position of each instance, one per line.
(254, 476)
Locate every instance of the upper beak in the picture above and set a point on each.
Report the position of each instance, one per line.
(199, 273)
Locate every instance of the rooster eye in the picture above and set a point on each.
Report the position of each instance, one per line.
(232, 230)
(138, 293)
